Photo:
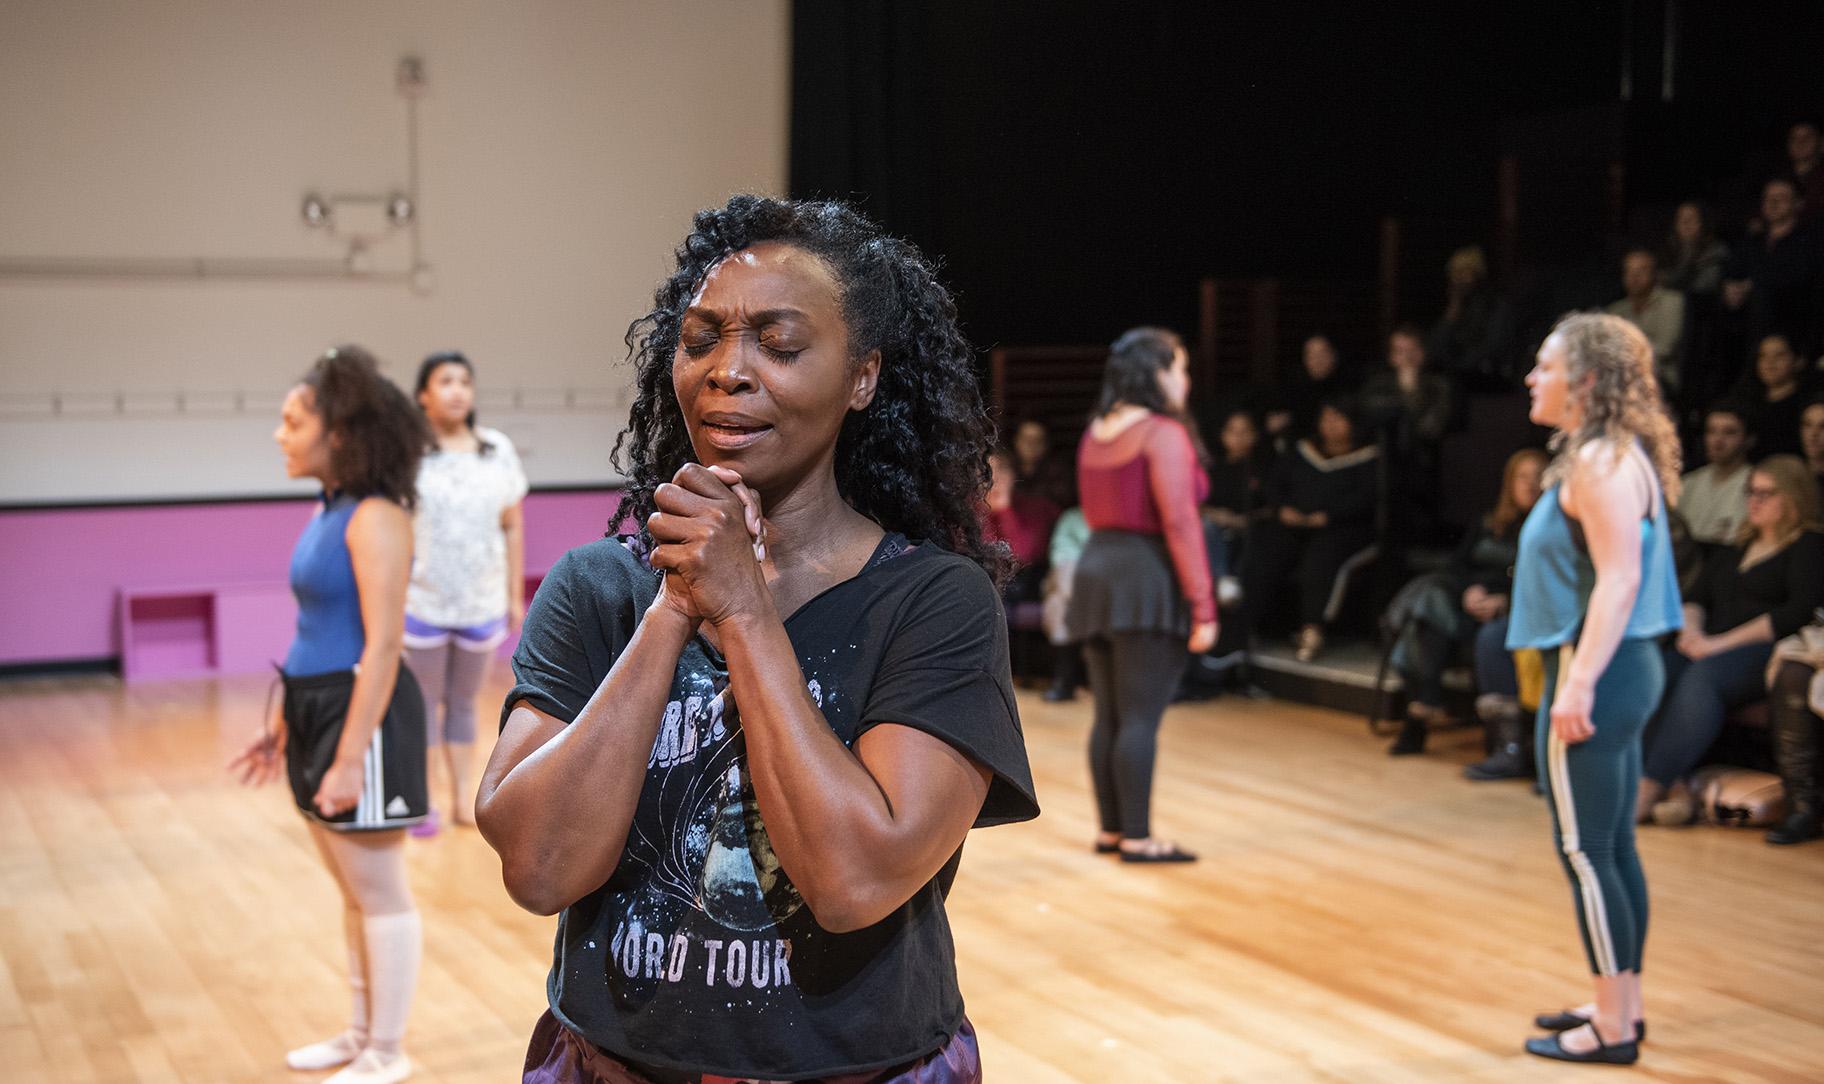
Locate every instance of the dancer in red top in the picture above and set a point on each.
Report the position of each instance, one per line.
(1142, 592)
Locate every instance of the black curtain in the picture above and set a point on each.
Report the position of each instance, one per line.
(1079, 164)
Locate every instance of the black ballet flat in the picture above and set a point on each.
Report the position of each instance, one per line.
(1552, 1046)
(1170, 854)
(1565, 1021)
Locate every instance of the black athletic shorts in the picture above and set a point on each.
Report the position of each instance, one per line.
(393, 794)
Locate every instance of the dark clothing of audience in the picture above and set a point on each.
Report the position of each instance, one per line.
(1775, 425)
(1786, 274)
(1810, 187)
(1238, 485)
(1700, 693)
(1343, 488)
(1474, 345)
(1438, 627)
(1786, 587)
(1410, 427)
(1696, 272)
(1301, 396)
(1054, 478)
(1408, 420)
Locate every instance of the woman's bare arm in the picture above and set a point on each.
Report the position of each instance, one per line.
(1609, 503)
(513, 526)
(556, 801)
(857, 832)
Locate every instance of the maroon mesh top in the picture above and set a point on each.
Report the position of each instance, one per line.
(1147, 480)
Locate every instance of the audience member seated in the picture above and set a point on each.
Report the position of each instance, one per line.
(1237, 478)
(1320, 501)
(1749, 595)
(1292, 405)
(1805, 167)
(1038, 469)
(1446, 611)
(1795, 702)
(1714, 501)
(1067, 539)
(1775, 395)
(1022, 520)
(1657, 311)
(1692, 259)
(1773, 279)
(1408, 408)
(1811, 438)
(1472, 342)
(1692, 262)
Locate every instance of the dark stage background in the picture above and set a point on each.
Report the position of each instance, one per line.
(1078, 165)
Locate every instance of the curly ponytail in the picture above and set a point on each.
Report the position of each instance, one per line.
(376, 435)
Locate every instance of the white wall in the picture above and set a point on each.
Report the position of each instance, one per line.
(563, 146)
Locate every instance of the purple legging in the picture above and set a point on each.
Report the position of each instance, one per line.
(451, 676)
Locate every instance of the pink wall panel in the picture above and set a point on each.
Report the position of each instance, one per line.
(61, 569)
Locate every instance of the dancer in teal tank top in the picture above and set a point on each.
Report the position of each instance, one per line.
(1593, 588)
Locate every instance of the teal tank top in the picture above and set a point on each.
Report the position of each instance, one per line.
(1553, 579)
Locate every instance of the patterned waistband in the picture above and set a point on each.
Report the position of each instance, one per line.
(558, 1055)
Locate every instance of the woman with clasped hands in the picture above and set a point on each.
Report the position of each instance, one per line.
(744, 786)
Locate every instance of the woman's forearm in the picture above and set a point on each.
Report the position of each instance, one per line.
(826, 815)
(1611, 604)
(515, 530)
(558, 810)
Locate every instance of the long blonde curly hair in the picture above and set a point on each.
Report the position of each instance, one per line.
(1622, 402)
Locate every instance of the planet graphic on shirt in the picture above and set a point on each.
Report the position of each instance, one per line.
(742, 885)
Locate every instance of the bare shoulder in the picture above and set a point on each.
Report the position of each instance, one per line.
(1607, 477)
(377, 518)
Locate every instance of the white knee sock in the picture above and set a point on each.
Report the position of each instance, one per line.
(342, 1048)
(395, 944)
(354, 930)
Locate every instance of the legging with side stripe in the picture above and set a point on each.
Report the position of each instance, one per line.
(1591, 788)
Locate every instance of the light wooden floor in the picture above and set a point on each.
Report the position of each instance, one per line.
(1355, 918)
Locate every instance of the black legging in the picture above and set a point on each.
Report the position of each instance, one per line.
(1132, 676)
(1310, 556)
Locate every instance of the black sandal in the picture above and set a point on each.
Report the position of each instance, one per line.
(1171, 853)
(1107, 848)
(1565, 1021)
(1552, 1046)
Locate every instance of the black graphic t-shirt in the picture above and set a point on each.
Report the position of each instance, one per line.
(698, 953)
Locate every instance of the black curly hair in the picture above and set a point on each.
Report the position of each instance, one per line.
(916, 459)
(377, 435)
